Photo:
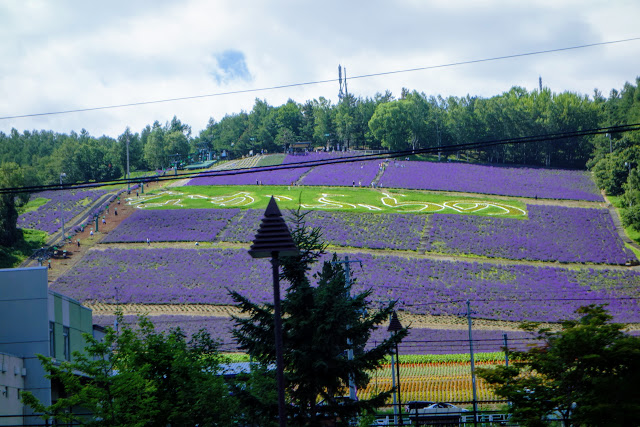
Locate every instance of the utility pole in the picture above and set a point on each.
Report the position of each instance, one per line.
(473, 368)
(62, 175)
(395, 399)
(506, 350)
(128, 173)
(347, 279)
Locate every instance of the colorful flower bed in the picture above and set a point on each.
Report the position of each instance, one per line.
(47, 217)
(422, 286)
(464, 177)
(173, 225)
(359, 230)
(552, 233)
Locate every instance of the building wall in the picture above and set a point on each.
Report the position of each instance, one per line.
(27, 309)
(11, 384)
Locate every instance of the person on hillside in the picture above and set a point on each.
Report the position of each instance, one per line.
(78, 242)
(115, 211)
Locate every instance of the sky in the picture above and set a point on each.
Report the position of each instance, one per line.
(72, 54)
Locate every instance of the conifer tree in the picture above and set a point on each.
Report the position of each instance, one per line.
(319, 320)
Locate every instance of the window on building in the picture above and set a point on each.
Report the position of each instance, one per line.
(52, 339)
(67, 343)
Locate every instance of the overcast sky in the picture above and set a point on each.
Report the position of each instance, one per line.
(65, 55)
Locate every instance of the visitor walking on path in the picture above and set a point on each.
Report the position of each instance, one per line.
(148, 242)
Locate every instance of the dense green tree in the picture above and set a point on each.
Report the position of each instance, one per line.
(391, 124)
(136, 159)
(344, 121)
(137, 377)
(587, 373)
(323, 127)
(289, 119)
(10, 177)
(318, 322)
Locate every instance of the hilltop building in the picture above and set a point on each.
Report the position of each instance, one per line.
(35, 320)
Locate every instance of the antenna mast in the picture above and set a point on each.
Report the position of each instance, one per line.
(343, 84)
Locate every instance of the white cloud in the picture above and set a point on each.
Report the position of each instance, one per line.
(68, 54)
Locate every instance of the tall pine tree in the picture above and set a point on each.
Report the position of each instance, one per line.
(318, 323)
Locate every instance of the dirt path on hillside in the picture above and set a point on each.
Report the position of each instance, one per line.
(59, 266)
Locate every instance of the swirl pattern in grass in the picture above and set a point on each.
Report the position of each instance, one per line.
(422, 286)
(508, 181)
(552, 233)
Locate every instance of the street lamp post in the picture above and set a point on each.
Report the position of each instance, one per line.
(274, 240)
(394, 327)
(62, 175)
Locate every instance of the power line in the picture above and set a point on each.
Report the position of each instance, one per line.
(346, 159)
(317, 82)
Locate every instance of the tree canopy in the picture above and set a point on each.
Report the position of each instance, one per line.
(137, 376)
(587, 374)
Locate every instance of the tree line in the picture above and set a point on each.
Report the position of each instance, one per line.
(411, 121)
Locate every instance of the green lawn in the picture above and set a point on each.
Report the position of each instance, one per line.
(32, 205)
(13, 256)
(271, 160)
(631, 232)
(345, 199)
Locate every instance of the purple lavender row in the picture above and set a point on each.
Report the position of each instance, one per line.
(552, 233)
(359, 174)
(358, 230)
(422, 286)
(172, 225)
(47, 217)
(522, 182)
(419, 340)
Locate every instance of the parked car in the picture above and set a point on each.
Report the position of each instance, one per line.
(435, 413)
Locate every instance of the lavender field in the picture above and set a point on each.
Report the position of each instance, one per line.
(172, 225)
(358, 230)
(552, 233)
(359, 174)
(421, 286)
(289, 176)
(65, 204)
(419, 340)
(464, 177)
